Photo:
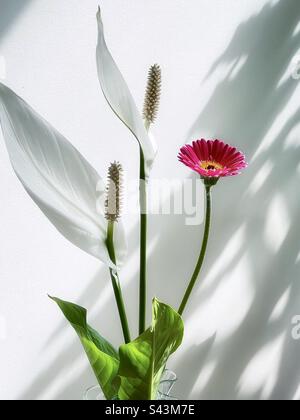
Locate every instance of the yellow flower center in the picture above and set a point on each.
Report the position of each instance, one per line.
(210, 165)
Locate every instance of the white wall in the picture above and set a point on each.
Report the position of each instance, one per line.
(227, 73)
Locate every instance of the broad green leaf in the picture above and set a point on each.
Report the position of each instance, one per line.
(143, 361)
(103, 357)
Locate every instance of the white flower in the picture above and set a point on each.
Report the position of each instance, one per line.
(57, 177)
(120, 99)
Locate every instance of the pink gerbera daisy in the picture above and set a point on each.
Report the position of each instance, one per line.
(212, 158)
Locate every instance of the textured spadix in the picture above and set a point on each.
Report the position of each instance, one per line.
(113, 200)
(120, 99)
(152, 97)
(57, 177)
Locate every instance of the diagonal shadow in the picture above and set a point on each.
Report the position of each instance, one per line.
(9, 11)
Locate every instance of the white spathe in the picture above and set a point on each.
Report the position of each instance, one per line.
(57, 177)
(120, 99)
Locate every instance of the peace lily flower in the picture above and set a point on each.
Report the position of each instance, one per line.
(120, 99)
(58, 178)
(212, 160)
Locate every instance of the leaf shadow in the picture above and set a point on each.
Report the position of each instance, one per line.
(9, 12)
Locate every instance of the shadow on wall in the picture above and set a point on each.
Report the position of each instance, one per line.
(242, 109)
(9, 10)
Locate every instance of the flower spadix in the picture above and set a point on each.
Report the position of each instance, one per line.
(113, 199)
(120, 99)
(57, 177)
(152, 96)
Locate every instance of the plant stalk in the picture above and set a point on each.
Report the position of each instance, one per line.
(202, 252)
(143, 245)
(116, 283)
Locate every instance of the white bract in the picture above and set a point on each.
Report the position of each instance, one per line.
(120, 99)
(57, 177)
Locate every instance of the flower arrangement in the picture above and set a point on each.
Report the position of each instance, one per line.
(64, 186)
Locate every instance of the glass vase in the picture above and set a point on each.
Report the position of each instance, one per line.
(167, 383)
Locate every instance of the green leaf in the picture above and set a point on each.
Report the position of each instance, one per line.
(143, 361)
(102, 356)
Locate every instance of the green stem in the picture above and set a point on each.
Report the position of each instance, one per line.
(143, 245)
(116, 283)
(202, 253)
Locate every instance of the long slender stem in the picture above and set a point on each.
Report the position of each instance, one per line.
(202, 253)
(116, 283)
(143, 245)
